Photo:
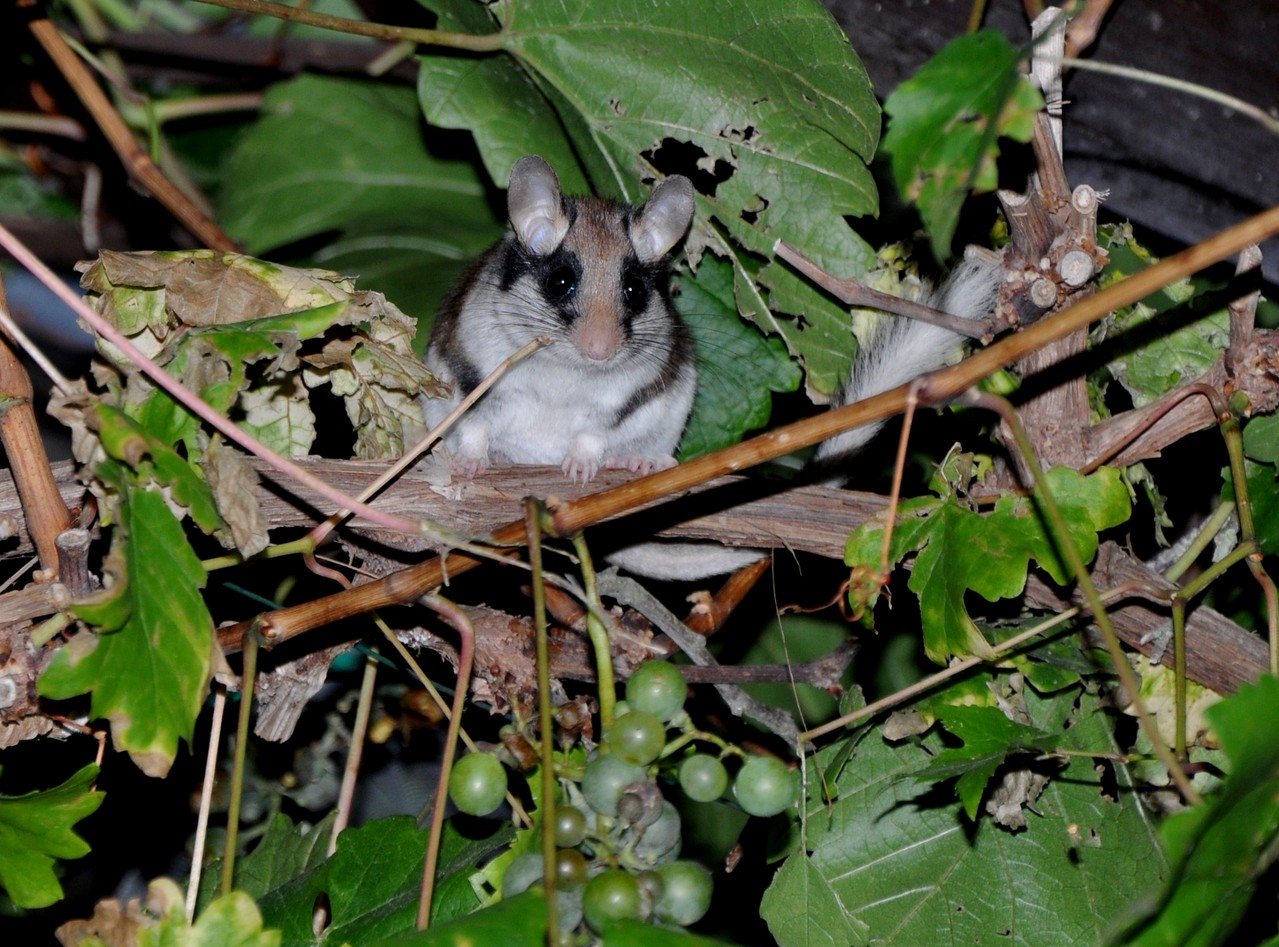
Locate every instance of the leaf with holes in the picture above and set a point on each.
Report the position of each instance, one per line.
(897, 867)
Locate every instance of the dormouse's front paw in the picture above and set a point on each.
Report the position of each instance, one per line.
(582, 462)
(640, 465)
(580, 469)
(468, 466)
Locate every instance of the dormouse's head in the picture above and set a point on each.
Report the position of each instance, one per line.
(598, 267)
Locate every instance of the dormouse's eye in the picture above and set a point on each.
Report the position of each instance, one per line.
(560, 283)
(634, 291)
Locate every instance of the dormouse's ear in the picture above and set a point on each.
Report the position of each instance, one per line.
(665, 216)
(534, 206)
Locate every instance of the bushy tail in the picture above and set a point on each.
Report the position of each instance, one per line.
(899, 350)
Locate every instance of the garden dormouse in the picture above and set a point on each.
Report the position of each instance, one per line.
(615, 386)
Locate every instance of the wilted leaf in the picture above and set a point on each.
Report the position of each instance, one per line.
(161, 922)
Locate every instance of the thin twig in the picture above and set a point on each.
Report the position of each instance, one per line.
(359, 733)
(465, 660)
(534, 516)
(1243, 107)
(206, 799)
(248, 680)
(134, 158)
(481, 43)
(856, 293)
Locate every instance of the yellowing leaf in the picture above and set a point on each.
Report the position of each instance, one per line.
(149, 676)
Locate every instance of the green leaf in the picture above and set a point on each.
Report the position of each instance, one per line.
(36, 830)
(287, 850)
(903, 868)
(328, 152)
(231, 919)
(496, 100)
(1168, 340)
(801, 907)
(738, 369)
(512, 922)
(1220, 849)
(127, 441)
(996, 550)
(148, 670)
(779, 150)
(1261, 439)
(373, 881)
(990, 737)
(945, 122)
(1263, 494)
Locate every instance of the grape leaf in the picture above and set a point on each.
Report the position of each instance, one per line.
(996, 550)
(779, 150)
(125, 440)
(738, 369)
(1261, 439)
(148, 664)
(328, 151)
(1220, 848)
(990, 737)
(1168, 341)
(801, 907)
(907, 870)
(36, 829)
(512, 922)
(373, 882)
(945, 122)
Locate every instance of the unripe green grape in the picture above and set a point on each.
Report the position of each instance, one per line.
(765, 786)
(703, 778)
(570, 868)
(605, 779)
(657, 688)
(477, 783)
(686, 893)
(636, 738)
(612, 895)
(570, 827)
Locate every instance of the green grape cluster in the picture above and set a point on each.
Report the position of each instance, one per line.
(618, 838)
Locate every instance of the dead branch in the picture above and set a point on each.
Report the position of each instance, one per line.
(134, 158)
